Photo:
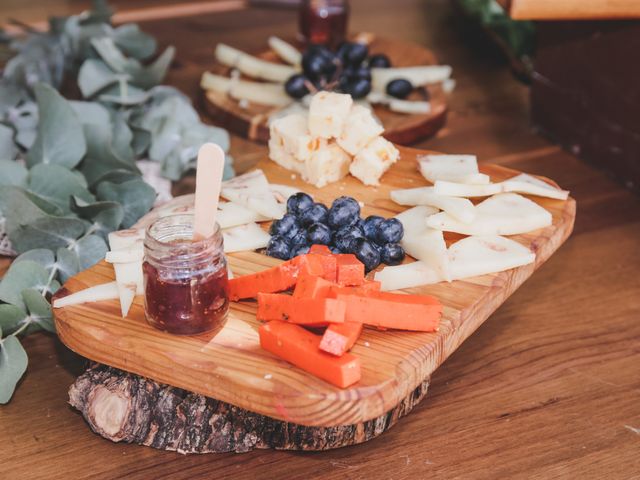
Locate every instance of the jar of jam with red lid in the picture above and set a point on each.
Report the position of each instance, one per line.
(185, 280)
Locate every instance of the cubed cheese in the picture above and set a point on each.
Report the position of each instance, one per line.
(373, 160)
(327, 165)
(292, 134)
(328, 113)
(359, 129)
(278, 154)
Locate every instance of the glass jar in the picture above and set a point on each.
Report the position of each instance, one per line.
(324, 22)
(185, 281)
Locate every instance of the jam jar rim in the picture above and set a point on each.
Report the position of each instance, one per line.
(194, 250)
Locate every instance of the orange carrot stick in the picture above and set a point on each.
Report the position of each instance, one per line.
(303, 311)
(301, 348)
(338, 338)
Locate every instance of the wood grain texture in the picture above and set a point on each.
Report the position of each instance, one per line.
(544, 389)
(571, 9)
(251, 122)
(231, 367)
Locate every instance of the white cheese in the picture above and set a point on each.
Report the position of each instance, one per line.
(292, 134)
(328, 113)
(231, 215)
(502, 214)
(327, 165)
(360, 128)
(252, 191)
(244, 237)
(128, 275)
(373, 160)
(452, 168)
(104, 291)
(459, 208)
(408, 275)
(522, 183)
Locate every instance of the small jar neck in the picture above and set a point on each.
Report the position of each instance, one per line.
(169, 244)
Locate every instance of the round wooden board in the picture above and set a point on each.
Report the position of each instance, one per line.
(251, 122)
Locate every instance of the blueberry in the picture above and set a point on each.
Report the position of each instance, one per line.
(301, 250)
(278, 247)
(399, 88)
(319, 234)
(391, 254)
(371, 225)
(296, 86)
(358, 88)
(356, 53)
(366, 253)
(299, 239)
(343, 238)
(379, 61)
(298, 203)
(390, 231)
(316, 213)
(283, 226)
(317, 61)
(335, 250)
(355, 73)
(344, 211)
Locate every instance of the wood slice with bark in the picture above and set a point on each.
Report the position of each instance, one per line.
(124, 407)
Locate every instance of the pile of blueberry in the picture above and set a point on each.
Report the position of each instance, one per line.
(373, 240)
(346, 70)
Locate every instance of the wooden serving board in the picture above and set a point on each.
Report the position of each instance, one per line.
(251, 122)
(232, 367)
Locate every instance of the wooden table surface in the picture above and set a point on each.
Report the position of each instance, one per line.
(548, 387)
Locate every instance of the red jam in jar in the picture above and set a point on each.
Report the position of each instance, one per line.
(323, 22)
(185, 281)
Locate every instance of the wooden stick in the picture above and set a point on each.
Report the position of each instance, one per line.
(571, 9)
(208, 182)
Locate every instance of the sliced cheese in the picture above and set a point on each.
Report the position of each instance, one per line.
(415, 219)
(459, 208)
(480, 255)
(522, 183)
(418, 76)
(244, 237)
(283, 192)
(252, 191)
(360, 128)
(408, 275)
(502, 214)
(285, 51)
(253, 66)
(452, 168)
(97, 293)
(128, 275)
(232, 215)
(129, 255)
(269, 94)
(328, 113)
(373, 160)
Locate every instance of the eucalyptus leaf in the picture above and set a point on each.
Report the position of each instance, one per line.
(42, 256)
(11, 317)
(17, 207)
(8, 150)
(68, 263)
(13, 173)
(141, 141)
(132, 41)
(116, 176)
(39, 310)
(90, 249)
(20, 276)
(101, 157)
(113, 57)
(13, 364)
(106, 216)
(94, 76)
(122, 138)
(92, 113)
(59, 139)
(47, 232)
(24, 118)
(135, 196)
(154, 74)
(57, 185)
(124, 94)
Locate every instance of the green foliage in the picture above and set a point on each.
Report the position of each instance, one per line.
(69, 174)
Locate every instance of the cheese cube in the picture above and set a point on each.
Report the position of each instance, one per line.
(278, 154)
(328, 113)
(292, 133)
(360, 128)
(327, 165)
(373, 160)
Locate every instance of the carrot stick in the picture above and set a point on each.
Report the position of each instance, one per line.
(350, 270)
(276, 279)
(303, 311)
(393, 311)
(338, 338)
(301, 348)
(312, 287)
